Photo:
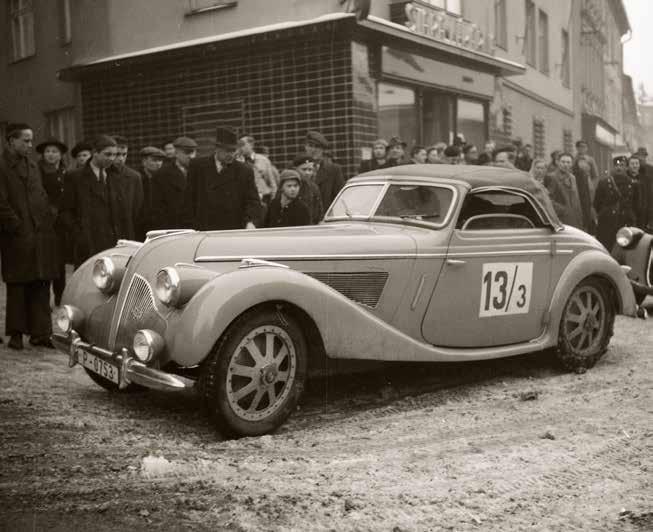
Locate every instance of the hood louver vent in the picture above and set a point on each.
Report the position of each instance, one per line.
(362, 287)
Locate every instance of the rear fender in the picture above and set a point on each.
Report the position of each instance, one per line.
(592, 263)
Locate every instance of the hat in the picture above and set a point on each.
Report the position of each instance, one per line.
(288, 175)
(226, 137)
(317, 138)
(151, 151)
(13, 128)
(81, 146)
(641, 151)
(396, 141)
(40, 148)
(302, 158)
(380, 142)
(184, 142)
(620, 159)
(452, 151)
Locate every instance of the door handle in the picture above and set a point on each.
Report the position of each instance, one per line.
(455, 262)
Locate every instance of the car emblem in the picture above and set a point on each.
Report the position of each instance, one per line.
(137, 313)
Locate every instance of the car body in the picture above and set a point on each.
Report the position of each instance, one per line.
(634, 249)
(414, 263)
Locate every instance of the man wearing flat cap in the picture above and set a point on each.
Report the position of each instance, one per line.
(27, 241)
(169, 186)
(221, 192)
(151, 162)
(328, 176)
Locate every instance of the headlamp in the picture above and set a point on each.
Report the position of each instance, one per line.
(107, 276)
(167, 286)
(147, 344)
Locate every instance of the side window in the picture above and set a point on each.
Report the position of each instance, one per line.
(497, 210)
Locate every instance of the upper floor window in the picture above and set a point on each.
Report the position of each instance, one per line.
(565, 64)
(529, 33)
(452, 6)
(21, 15)
(500, 24)
(65, 24)
(543, 38)
(201, 6)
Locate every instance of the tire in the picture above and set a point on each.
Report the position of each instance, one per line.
(248, 386)
(112, 386)
(639, 299)
(586, 326)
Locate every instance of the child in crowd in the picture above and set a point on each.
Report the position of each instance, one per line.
(287, 210)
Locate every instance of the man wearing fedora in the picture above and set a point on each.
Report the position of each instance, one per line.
(151, 162)
(221, 192)
(27, 241)
(53, 177)
(646, 188)
(169, 186)
(328, 176)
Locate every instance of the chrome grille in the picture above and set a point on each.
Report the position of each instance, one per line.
(363, 287)
(138, 312)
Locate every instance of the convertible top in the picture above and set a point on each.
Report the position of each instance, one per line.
(475, 176)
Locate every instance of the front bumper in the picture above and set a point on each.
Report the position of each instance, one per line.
(130, 370)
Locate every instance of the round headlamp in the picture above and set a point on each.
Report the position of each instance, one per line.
(147, 344)
(625, 237)
(168, 286)
(105, 275)
(66, 318)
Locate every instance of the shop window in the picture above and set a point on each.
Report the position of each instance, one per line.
(565, 63)
(438, 117)
(470, 121)
(397, 112)
(65, 25)
(202, 6)
(529, 33)
(500, 24)
(60, 124)
(543, 38)
(539, 147)
(21, 14)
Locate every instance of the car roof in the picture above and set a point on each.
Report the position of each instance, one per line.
(474, 176)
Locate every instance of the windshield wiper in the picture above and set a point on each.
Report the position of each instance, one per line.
(419, 216)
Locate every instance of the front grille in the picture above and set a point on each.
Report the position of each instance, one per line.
(138, 312)
(363, 287)
(96, 328)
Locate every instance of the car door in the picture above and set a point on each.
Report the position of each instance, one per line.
(494, 287)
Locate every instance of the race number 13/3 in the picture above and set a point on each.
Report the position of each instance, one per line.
(505, 288)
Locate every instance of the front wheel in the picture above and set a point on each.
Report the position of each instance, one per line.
(254, 378)
(586, 326)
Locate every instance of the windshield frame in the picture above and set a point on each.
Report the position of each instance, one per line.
(386, 184)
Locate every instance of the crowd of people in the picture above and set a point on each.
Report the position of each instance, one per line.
(52, 215)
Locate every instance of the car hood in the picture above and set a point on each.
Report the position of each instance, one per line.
(321, 241)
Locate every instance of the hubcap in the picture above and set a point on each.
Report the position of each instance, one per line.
(261, 373)
(585, 320)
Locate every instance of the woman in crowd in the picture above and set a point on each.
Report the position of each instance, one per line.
(538, 169)
(53, 174)
(81, 152)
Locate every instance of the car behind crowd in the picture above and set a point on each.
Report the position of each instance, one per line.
(412, 263)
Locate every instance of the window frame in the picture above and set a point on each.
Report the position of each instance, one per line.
(543, 59)
(530, 33)
(65, 22)
(501, 24)
(565, 60)
(465, 226)
(21, 29)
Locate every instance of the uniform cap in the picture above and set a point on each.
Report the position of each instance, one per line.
(151, 151)
(185, 143)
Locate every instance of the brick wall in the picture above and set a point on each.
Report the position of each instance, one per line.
(274, 88)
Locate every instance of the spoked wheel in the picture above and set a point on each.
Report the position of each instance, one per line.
(586, 326)
(255, 376)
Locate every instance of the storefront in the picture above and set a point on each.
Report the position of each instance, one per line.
(602, 140)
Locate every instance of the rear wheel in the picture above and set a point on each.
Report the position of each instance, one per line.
(254, 378)
(586, 325)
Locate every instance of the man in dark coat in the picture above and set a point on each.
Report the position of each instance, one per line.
(563, 192)
(221, 192)
(328, 176)
(379, 157)
(151, 162)
(646, 187)
(133, 179)
(27, 242)
(98, 203)
(169, 186)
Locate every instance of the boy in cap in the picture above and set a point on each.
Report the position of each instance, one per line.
(309, 192)
(169, 186)
(328, 176)
(287, 210)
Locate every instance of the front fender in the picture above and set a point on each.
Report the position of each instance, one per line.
(637, 257)
(586, 264)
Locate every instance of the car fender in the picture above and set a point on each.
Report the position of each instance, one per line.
(637, 257)
(586, 264)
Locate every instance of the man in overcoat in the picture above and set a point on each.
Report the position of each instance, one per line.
(134, 180)
(169, 186)
(98, 202)
(27, 242)
(646, 184)
(328, 176)
(563, 191)
(221, 192)
(151, 162)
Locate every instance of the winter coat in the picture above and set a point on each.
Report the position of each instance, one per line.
(293, 214)
(27, 236)
(646, 197)
(309, 193)
(134, 195)
(585, 198)
(615, 202)
(168, 190)
(329, 180)
(217, 201)
(145, 221)
(54, 183)
(563, 192)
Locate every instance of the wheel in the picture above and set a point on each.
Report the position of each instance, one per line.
(586, 326)
(112, 386)
(254, 377)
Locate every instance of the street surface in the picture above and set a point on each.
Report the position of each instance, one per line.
(504, 445)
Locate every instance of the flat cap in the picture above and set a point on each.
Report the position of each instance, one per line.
(151, 151)
(288, 175)
(302, 158)
(318, 139)
(81, 146)
(185, 143)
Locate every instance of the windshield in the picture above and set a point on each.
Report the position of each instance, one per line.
(415, 202)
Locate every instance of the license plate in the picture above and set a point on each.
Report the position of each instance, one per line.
(99, 366)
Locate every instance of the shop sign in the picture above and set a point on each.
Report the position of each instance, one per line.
(442, 26)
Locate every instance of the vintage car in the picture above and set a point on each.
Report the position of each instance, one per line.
(413, 263)
(634, 249)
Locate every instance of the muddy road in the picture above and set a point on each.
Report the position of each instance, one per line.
(504, 445)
